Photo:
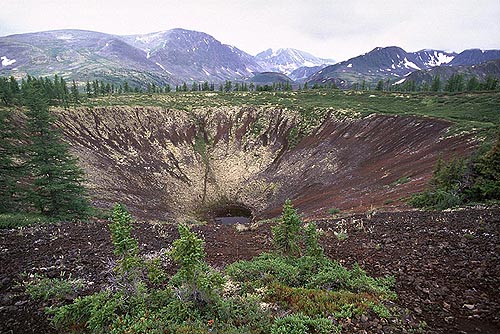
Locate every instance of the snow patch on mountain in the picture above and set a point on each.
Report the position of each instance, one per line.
(163, 68)
(6, 61)
(65, 37)
(439, 59)
(409, 64)
(150, 38)
(286, 60)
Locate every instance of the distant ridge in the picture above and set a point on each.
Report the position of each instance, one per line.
(388, 63)
(171, 56)
(481, 72)
(180, 56)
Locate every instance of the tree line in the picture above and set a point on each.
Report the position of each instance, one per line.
(37, 172)
(456, 83)
(59, 92)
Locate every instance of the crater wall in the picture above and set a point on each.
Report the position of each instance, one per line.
(169, 164)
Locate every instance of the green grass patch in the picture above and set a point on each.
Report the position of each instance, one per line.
(400, 181)
(333, 211)
(14, 220)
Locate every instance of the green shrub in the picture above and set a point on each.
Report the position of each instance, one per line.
(437, 200)
(130, 267)
(316, 302)
(308, 272)
(311, 240)
(195, 280)
(95, 313)
(463, 181)
(264, 270)
(123, 242)
(333, 276)
(381, 310)
(446, 187)
(242, 315)
(302, 324)
(43, 288)
(486, 176)
(333, 211)
(341, 236)
(401, 180)
(188, 251)
(156, 274)
(449, 176)
(192, 302)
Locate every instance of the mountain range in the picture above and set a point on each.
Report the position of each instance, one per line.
(395, 64)
(178, 55)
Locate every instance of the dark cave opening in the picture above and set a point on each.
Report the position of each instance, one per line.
(232, 214)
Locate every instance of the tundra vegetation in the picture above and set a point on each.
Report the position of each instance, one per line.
(294, 289)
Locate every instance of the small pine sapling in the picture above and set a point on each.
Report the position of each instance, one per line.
(286, 233)
(129, 264)
(194, 281)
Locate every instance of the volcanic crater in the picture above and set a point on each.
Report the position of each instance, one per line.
(167, 164)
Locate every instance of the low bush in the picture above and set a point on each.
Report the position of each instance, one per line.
(302, 324)
(436, 199)
(333, 211)
(43, 288)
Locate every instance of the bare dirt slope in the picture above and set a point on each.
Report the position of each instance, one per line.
(446, 264)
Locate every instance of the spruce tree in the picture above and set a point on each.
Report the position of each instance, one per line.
(491, 83)
(75, 95)
(10, 168)
(286, 233)
(88, 89)
(57, 188)
(472, 84)
(486, 184)
(436, 84)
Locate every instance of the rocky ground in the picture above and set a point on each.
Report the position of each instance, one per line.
(446, 264)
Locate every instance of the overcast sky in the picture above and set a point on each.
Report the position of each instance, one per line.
(337, 29)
